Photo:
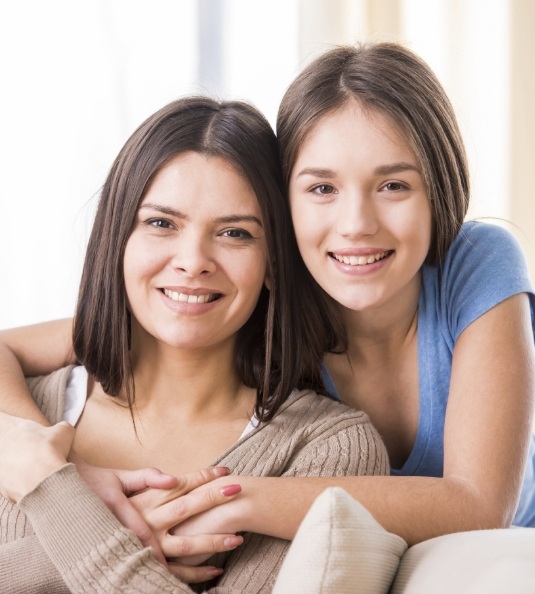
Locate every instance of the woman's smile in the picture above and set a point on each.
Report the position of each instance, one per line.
(195, 263)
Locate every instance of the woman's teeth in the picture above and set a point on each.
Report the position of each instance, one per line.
(185, 298)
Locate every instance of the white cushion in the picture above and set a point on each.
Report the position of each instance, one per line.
(340, 548)
(478, 562)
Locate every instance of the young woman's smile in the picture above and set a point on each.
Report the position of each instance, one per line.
(197, 253)
(360, 209)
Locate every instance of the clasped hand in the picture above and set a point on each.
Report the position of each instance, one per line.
(147, 501)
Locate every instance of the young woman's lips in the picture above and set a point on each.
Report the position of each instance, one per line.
(360, 262)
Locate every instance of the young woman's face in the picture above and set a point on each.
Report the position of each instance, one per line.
(360, 209)
(195, 262)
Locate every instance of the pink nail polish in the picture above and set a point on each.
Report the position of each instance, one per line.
(230, 490)
(215, 572)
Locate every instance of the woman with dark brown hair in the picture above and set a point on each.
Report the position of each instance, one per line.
(191, 353)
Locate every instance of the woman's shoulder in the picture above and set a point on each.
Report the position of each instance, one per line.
(48, 392)
(314, 407)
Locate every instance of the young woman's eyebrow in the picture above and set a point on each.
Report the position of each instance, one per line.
(396, 168)
(237, 218)
(316, 172)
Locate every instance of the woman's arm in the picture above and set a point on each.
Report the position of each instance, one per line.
(29, 351)
(42, 348)
(77, 533)
(488, 425)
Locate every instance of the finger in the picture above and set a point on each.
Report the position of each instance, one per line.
(139, 480)
(129, 516)
(181, 508)
(194, 575)
(206, 545)
(190, 481)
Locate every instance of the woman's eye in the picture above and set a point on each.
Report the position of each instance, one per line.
(160, 223)
(237, 234)
(323, 189)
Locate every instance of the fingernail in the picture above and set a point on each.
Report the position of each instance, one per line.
(231, 542)
(215, 572)
(221, 471)
(230, 490)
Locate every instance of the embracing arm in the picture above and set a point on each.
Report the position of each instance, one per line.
(78, 538)
(42, 348)
(488, 426)
(29, 351)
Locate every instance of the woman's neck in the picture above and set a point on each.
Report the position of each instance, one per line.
(201, 382)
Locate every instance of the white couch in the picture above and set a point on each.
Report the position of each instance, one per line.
(341, 549)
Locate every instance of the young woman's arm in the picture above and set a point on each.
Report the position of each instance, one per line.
(488, 425)
(29, 351)
(42, 348)
(71, 521)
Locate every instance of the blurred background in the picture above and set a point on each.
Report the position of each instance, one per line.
(79, 77)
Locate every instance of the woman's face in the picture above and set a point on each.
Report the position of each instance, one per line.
(196, 260)
(360, 209)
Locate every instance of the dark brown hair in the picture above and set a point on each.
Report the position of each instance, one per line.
(391, 79)
(280, 347)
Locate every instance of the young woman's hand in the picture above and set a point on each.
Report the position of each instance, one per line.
(30, 453)
(193, 495)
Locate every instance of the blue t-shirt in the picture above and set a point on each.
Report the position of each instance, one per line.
(483, 267)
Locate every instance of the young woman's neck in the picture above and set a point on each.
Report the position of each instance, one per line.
(385, 329)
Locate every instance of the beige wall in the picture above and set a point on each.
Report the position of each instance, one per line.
(484, 53)
(522, 114)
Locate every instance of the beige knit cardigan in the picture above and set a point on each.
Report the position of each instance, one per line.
(62, 538)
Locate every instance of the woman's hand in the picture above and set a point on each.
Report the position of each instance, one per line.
(30, 453)
(163, 509)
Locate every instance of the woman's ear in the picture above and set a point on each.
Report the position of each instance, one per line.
(267, 281)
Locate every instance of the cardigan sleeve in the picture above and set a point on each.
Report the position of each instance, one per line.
(26, 568)
(89, 547)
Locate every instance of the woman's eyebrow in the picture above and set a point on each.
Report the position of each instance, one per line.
(240, 219)
(236, 218)
(163, 209)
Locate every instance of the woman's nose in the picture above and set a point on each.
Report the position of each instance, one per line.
(193, 256)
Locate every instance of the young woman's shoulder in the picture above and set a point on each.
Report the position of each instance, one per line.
(475, 235)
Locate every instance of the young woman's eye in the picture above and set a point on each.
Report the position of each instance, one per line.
(237, 234)
(394, 187)
(323, 189)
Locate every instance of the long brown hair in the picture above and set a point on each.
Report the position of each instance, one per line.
(280, 347)
(391, 79)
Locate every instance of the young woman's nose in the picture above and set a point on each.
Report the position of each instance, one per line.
(356, 215)
(193, 256)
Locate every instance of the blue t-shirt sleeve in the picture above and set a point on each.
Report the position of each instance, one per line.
(484, 266)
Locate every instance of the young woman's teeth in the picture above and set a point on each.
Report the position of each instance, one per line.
(185, 298)
(360, 260)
